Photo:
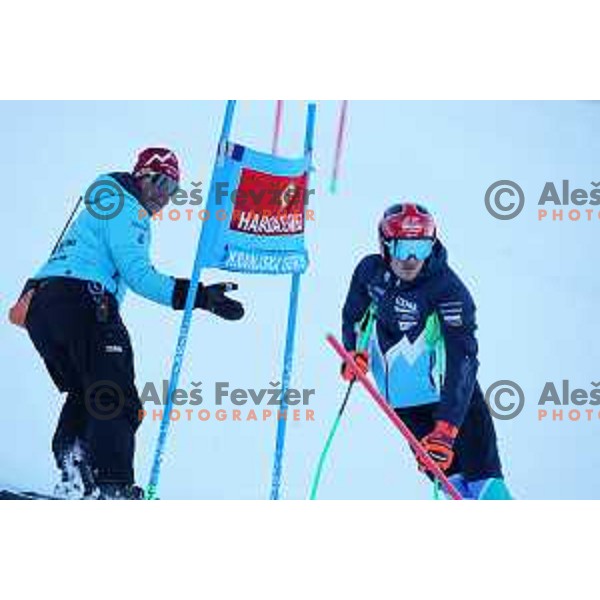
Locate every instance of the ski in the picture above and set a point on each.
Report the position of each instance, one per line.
(8, 494)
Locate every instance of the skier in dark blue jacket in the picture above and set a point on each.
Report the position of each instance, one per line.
(71, 311)
(423, 351)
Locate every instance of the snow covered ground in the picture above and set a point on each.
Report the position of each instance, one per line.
(534, 282)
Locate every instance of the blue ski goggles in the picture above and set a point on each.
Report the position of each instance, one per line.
(165, 184)
(419, 249)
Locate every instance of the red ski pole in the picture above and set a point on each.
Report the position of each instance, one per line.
(431, 465)
(277, 127)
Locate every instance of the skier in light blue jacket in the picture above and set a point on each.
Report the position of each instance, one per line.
(71, 311)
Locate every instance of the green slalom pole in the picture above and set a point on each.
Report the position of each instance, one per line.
(325, 452)
(366, 328)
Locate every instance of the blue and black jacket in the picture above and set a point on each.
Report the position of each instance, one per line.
(423, 348)
(113, 251)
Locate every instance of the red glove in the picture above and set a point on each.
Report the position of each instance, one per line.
(438, 444)
(361, 358)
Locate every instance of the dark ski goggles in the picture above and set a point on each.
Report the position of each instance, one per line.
(419, 249)
(165, 184)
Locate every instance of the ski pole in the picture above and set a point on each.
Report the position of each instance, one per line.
(317, 476)
(366, 327)
(67, 224)
(339, 143)
(429, 463)
(277, 127)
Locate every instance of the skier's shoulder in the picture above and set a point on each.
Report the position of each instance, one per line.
(448, 284)
(369, 266)
(451, 293)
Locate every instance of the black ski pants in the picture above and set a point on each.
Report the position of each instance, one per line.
(76, 328)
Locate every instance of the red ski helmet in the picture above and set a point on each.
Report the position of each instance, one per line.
(157, 161)
(405, 221)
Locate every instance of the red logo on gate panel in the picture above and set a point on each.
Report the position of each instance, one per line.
(269, 204)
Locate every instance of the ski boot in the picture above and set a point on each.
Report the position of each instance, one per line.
(77, 480)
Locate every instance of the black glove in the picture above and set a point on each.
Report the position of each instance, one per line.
(209, 297)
